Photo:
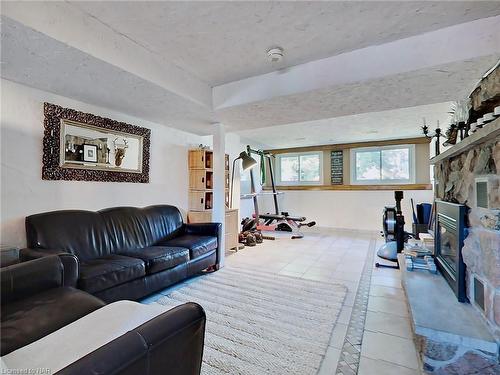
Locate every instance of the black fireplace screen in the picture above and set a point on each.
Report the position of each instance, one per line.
(448, 247)
(450, 234)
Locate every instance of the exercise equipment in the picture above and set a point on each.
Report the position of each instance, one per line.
(285, 223)
(393, 223)
(277, 221)
(415, 219)
(416, 263)
(250, 239)
(388, 251)
(250, 235)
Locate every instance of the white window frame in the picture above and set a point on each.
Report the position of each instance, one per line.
(297, 183)
(355, 181)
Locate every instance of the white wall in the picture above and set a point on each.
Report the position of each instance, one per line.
(349, 209)
(23, 192)
(345, 209)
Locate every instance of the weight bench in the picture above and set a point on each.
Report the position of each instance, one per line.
(284, 223)
(269, 218)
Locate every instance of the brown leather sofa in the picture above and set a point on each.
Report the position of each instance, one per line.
(35, 303)
(123, 252)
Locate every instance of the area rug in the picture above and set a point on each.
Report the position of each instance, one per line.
(262, 323)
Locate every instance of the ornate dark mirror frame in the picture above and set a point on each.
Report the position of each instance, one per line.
(51, 164)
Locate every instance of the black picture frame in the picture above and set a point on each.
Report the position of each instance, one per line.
(337, 167)
(89, 153)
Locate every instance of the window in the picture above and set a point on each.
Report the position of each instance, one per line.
(383, 165)
(305, 168)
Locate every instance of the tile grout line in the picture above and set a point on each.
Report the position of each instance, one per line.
(350, 353)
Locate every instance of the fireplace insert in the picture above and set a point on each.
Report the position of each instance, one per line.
(449, 240)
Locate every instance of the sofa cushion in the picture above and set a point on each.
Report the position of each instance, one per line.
(132, 228)
(197, 245)
(82, 233)
(159, 258)
(108, 271)
(29, 319)
(90, 235)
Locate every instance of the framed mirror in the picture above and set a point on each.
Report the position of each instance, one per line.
(86, 146)
(82, 146)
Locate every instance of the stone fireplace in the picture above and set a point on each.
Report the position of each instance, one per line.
(472, 178)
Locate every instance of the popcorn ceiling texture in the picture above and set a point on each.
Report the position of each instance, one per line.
(228, 40)
(163, 67)
(424, 86)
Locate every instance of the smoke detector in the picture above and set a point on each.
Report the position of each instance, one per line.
(275, 54)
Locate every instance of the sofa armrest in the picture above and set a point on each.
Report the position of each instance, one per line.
(69, 261)
(169, 343)
(204, 229)
(207, 229)
(26, 279)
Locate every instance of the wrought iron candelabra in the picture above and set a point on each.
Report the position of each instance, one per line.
(437, 135)
(463, 129)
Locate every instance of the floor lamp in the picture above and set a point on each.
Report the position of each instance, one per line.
(247, 162)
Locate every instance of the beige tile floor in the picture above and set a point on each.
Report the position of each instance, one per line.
(338, 256)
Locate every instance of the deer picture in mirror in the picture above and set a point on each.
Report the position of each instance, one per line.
(120, 151)
(82, 146)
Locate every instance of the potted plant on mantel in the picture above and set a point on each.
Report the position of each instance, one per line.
(458, 125)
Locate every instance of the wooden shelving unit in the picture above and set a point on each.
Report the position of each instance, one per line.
(200, 163)
(201, 183)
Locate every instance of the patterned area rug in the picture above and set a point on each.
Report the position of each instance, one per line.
(262, 323)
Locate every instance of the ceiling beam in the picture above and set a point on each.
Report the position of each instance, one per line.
(451, 44)
(67, 23)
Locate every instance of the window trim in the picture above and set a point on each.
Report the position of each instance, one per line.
(298, 183)
(355, 181)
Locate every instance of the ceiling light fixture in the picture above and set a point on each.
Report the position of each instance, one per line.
(275, 54)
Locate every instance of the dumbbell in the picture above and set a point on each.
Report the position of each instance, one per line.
(427, 264)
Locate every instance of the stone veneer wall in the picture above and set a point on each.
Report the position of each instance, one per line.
(455, 178)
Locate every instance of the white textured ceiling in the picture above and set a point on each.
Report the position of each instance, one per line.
(221, 41)
(372, 126)
(36, 60)
(158, 61)
(438, 84)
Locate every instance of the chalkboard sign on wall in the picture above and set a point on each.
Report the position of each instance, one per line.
(337, 165)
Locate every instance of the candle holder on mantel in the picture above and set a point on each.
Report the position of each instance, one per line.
(463, 130)
(437, 135)
(459, 118)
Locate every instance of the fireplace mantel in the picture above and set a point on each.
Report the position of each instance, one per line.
(488, 132)
(444, 329)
